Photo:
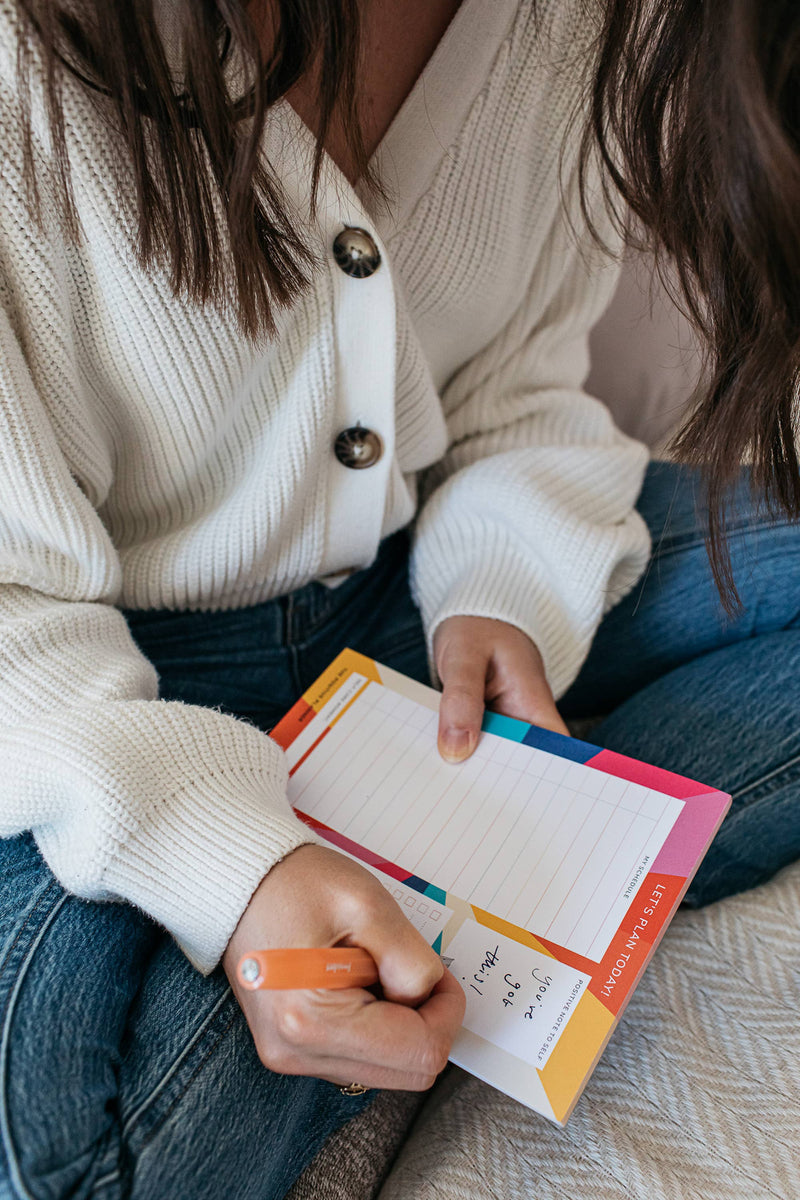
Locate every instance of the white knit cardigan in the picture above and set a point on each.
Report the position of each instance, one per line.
(151, 457)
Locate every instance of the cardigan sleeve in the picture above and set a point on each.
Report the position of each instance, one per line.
(530, 515)
(177, 809)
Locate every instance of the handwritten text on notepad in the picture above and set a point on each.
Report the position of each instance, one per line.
(502, 980)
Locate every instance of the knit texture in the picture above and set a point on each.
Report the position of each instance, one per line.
(151, 457)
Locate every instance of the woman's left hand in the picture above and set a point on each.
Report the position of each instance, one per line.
(483, 663)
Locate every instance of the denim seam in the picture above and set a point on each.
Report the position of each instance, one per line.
(162, 1083)
(50, 887)
(190, 1080)
(5, 1126)
(678, 543)
(792, 762)
(287, 630)
(294, 666)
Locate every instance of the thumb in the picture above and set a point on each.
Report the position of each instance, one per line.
(463, 677)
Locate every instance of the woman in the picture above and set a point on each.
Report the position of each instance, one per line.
(277, 280)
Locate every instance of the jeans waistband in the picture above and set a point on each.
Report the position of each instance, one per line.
(284, 620)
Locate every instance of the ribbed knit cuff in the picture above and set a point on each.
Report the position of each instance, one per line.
(197, 854)
(509, 591)
(183, 811)
(195, 867)
(478, 570)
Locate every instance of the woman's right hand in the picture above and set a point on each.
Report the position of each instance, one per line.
(318, 897)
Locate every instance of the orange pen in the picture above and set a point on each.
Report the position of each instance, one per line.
(315, 967)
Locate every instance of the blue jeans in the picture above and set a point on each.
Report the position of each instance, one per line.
(125, 1074)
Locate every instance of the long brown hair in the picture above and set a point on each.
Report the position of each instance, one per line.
(695, 106)
(207, 202)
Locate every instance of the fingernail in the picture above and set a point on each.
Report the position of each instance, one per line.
(455, 745)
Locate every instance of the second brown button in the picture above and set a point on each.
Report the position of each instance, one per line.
(358, 448)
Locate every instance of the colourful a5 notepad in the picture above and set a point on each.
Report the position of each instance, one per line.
(544, 870)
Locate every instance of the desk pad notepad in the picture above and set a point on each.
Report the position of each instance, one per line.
(544, 870)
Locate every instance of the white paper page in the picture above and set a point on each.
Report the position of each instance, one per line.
(548, 844)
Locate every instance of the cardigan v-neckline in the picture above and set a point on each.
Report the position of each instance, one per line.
(431, 114)
(429, 119)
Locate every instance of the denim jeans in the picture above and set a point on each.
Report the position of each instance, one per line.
(125, 1074)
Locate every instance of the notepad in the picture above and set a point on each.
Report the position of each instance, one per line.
(543, 869)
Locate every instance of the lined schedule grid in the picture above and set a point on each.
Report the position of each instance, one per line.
(551, 845)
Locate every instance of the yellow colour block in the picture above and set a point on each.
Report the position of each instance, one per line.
(343, 666)
(515, 932)
(575, 1052)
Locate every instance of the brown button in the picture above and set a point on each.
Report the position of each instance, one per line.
(356, 253)
(358, 448)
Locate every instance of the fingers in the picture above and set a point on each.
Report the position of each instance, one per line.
(528, 698)
(517, 685)
(409, 1039)
(351, 1036)
(486, 663)
(345, 1071)
(316, 896)
(408, 968)
(394, 1036)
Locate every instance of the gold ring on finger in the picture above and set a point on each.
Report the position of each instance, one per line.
(353, 1089)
